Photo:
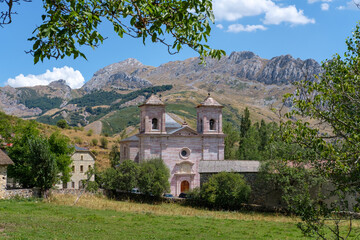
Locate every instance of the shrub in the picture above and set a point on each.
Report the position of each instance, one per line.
(225, 191)
(62, 124)
(154, 177)
(104, 142)
(92, 186)
(90, 132)
(78, 140)
(94, 141)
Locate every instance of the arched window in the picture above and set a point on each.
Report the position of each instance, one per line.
(155, 123)
(212, 124)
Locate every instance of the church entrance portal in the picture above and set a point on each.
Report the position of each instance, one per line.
(185, 186)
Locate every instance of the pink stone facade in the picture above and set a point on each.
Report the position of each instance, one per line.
(179, 146)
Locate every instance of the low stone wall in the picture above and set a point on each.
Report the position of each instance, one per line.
(21, 193)
(74, 191)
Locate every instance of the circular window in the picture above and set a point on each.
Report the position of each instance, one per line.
(185, 153)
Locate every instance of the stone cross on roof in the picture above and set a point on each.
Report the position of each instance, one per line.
(153, 100)
(209, 101)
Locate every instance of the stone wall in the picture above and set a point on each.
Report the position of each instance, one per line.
(2, 180)
(22, 193)
(74, 191)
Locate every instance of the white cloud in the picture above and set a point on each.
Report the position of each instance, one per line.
(235, 28)
(325, 6)
(287, 14)
(232, 10)
(220, 26)
(314, 1)
(72, 77)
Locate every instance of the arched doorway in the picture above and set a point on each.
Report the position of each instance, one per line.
(185, 186)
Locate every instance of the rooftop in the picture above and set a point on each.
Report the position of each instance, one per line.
(153, 100)
(209, 101)
(130, 139)
(229, 166)
(77, 148)
(4, 159)
(170, 122)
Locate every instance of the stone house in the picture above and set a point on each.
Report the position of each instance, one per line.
(186, 151)
(4, 162)
(82, 160)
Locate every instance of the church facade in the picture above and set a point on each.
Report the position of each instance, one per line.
(182, 148)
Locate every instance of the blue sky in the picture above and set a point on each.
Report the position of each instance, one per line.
(305, 29)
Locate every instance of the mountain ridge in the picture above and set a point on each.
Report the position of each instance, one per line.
(242, 79)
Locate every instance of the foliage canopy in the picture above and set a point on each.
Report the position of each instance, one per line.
(68, 25)
(332, 142)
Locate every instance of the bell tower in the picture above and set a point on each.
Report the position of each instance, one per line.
(152, 116)
(209, 116)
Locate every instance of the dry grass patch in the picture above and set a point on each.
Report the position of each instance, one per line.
(164, 209)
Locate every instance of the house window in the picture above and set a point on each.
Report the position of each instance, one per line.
(81, 185)
(212, 124)
(89, 167)
(201, 125)
(81, 168)
(64, 185)
(73, 169)
(81, 157)
(72, 185)
(155, 123)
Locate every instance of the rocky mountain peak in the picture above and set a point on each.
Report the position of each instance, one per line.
(131, 62)
(239, 56)
(58, 84)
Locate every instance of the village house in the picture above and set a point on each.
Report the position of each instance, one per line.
(188, 153)
(83, 160)
(5, 161)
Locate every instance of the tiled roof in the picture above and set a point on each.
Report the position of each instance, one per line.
(229, 166)
(181, 128)
(4, 159)
(153, 100)
(77, 148)
(209, 101)
(170, 122)
(130, 139)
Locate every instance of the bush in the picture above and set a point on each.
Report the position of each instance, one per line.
(154, 177)
(94, 141)
(78, 140)
(92, 186)
(90, 132)
(104, 142)
(62, 124)
(225, 191)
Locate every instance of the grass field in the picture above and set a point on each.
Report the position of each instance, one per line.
(121, 220)
(100, 218)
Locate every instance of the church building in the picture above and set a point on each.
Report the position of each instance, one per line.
(182, 148)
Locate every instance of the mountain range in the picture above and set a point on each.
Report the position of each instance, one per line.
(107, 102)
